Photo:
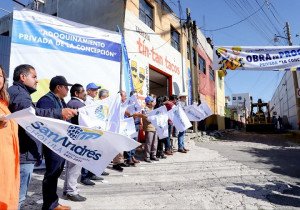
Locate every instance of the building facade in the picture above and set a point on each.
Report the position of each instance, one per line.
(156, 42)
(283, 102)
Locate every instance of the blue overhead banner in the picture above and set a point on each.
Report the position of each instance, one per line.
(42, 36)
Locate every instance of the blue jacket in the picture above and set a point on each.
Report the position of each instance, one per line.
(51, 101)
(30, 148)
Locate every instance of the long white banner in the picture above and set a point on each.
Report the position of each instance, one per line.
(92, 149)
(256, 58)
(54, 46)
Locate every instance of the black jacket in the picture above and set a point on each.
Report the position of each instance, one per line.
(75, 103)
(30, 148)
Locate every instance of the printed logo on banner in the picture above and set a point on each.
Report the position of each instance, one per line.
(76, 133)
(47, 135)
(99, 112)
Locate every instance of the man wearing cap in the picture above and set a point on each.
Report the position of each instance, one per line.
(25, 83)
(182, 103)
(151, 135)
(59, 88)
(91, 90)
(86, 175)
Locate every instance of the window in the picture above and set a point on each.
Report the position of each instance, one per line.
(6, 33)
(240, 98)
(175, 39)
(146, 13)
(211, 74)
(202, 64)
(234, 98)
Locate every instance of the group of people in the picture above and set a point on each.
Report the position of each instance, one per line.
(277, 122)
(25, 152)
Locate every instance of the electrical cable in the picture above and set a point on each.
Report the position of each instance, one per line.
(153, 48)
(229, 26)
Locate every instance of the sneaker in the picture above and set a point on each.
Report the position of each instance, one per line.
(147, 160)
(117, 167)
(186, 149)
(76, 198)
(182, 151)
(87, 182)
(154, 158)
(104, 173)
(96, 178)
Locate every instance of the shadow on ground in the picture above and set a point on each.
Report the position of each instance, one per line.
(284, 161)
(270, 139)
(278, 193)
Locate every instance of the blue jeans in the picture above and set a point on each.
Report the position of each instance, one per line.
(168, 139)
(130, 154)
(181, 140)
(26, 170)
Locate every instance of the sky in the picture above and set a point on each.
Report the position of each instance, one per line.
(257, 30)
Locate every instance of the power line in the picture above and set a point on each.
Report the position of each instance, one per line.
(218, 29)
(228, 87)
(246, 8)
(153, 48)
(19, 3)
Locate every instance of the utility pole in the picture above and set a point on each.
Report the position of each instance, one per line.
(294, 74)
(181, 49)
(189, 25)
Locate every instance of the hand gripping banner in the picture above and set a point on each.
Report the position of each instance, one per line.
(92, 149)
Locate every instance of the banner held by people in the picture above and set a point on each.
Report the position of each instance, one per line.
(92, 149)
(179, 118)
(197, 113)
(159, 118)
(95, 115)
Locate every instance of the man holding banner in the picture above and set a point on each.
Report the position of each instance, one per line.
(73, 171)
(182, 103)
(54, 162)
(25, 83)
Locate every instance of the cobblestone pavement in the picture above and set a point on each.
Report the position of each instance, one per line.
(200, 179)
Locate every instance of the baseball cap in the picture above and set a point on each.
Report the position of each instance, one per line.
(182, 94)
(59, 80)
(92, 86)
(149, 99)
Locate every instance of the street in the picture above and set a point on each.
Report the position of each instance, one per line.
(241, 171)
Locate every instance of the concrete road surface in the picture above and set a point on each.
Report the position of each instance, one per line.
(213, 175)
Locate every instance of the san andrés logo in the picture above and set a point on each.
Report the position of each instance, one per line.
(74, 132)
